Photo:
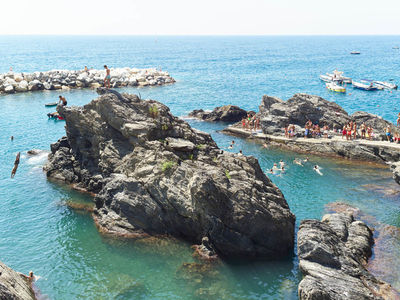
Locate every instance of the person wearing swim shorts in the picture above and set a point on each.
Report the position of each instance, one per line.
(363, 130)
(388, 133)
(107, 78)
(62, 101)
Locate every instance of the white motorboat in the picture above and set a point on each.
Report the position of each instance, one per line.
(365, 87)
(325, 78)
(338, 76)
(335, 87)
(355, 52)
(386, 85)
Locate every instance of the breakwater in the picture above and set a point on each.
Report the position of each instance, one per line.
(13, 82)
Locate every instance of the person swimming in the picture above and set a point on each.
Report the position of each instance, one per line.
(305, 160)
(281, 163)
(297, 162)
(231, 145)
(317, 169)
(275, 167)
(16, 163)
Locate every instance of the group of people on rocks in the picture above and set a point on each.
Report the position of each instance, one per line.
(350, 131)
(251, 122)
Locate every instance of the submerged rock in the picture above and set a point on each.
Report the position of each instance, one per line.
(226, 113)
(14, 286)
(153, 173)
(333, 254)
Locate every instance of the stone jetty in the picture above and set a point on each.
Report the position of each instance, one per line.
(333, 254)
(275, 114)
(14, 286)
(13, 82)
(154, 174)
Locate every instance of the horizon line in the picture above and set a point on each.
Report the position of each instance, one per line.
(192, 35)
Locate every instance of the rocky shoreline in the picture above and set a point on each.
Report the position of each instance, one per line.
(14, 286)
(13, 82)
(276, 114)
(154, 174)
(333, 254)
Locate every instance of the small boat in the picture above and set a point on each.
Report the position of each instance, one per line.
(386, 85)
(325, 78)
(355, 52)
(335, 87)
(51, 104)
(338, 76)
(365, 87)
(395, 47)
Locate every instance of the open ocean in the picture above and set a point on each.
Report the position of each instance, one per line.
(39, 232)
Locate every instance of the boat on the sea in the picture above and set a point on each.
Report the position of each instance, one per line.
(386, 85)
(365, 87)
(335, 76)
(51, 104)
(335, 87)
(338, 76)
(395, 47)
(325, 78)
(355, 52)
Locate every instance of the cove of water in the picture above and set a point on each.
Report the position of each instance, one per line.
(39, 232)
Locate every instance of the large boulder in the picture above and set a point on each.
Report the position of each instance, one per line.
(155, 174)
(276, 113)
(333, 254)
(376, 122)
(14, 286)
(22, 86)
(226, 113)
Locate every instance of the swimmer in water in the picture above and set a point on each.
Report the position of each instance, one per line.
(317, 169)
(231, 145)
(240, 153)
(298, 162)
(282, 163)
(275, 167)
(270, 171)
(305, 160)
(282, 169)
(16, 163)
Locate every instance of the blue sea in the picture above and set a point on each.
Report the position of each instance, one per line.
(38, 230)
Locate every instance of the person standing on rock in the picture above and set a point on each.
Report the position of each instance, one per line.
(107, 78)
(62, 101)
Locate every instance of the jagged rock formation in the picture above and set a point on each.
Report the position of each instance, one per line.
(226, 113)
(396, 171)
(65, 79)
(155, 174)
(333, 254)
(14, 286)
(276, 114)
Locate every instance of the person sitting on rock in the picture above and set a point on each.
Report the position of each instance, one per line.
(325, 130)
(62, 101)
(107, 78)
(286, 131)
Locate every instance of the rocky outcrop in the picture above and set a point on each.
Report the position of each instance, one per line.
(275, 114)
(332, 257)
(14, 286)
(396, 171)
(66, 79)
(226, 113)
(155, 174)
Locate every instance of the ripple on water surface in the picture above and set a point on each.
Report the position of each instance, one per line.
(41, 233)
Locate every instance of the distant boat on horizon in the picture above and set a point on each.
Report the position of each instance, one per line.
(395, 47)
(355, 52)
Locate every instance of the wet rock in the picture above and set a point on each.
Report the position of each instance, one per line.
(9, 89)
(14, 286)
(333, 254)
(396, 171)
(226, 113)
(155, 174)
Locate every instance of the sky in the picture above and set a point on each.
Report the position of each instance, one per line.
(203, 17)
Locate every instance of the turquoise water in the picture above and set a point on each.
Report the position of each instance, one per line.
(40, 232)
